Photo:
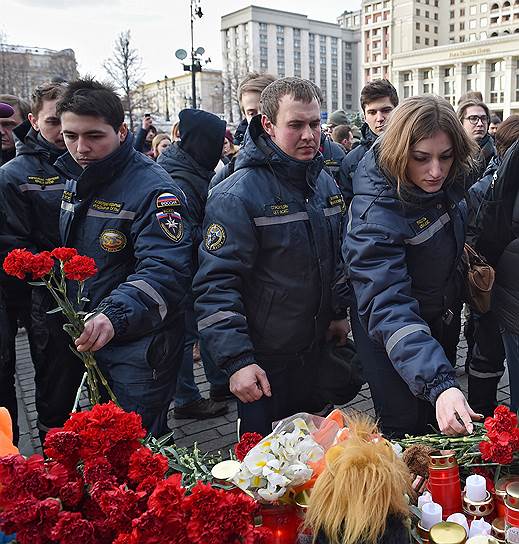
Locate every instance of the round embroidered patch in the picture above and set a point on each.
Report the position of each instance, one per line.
(112, 240)
(215, 237)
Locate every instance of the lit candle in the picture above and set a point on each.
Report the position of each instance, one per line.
(476, 488)
(460, 519)
(431, 515)
(479, 527)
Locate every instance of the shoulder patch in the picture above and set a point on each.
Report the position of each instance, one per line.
(43, 181)
(171, 224)
(215, 237)
(167, 200)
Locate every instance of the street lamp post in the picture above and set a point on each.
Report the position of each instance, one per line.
(167, 98)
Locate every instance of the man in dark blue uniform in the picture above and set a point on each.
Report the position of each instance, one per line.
(31, 190)
(123, 210)
(270, 261)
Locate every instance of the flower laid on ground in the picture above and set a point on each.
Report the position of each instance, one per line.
(496, 441)
(52, 269)
(246, 443)
(102, 484)
(279, 462)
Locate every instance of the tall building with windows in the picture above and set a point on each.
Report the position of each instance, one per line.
(445, 47)
(289, 44)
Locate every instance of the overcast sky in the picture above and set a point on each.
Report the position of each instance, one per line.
(159, 27)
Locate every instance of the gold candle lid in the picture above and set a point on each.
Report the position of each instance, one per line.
(442, 459)
(503, 482)
(512, 490)
(447, 532)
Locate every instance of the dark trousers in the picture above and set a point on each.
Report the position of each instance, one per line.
(485, 360)
(142, 373)
(292, 381)
(398, 410)
(15, 307)
(58, 371)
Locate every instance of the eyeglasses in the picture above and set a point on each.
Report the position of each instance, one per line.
(473, 119)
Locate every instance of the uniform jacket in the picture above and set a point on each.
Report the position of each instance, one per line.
(270, 256)
(191, 163)
(31, 189)
(333, 155)
(351, 161)
(126, 213)
(402, 262)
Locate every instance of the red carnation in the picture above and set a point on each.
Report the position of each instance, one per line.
(73, 528)
(503, 421)
(80, 268)
(246, 443)
(40, 265)
(63, 253)
(144, 463)
(62, 446)
(71, 493)
(18, 262)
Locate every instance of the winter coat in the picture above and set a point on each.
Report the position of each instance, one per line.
(270, 256)
(403, 262)
(351, 161)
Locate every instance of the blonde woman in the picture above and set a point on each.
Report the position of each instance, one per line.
(159, 144)
(403, 247)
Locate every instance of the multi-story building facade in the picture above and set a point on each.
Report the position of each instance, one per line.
(168, 96)
(289, 44)
(446, 47)
(24, 68)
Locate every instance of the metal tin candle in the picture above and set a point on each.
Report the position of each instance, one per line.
(512, 512)
(498, 530)
(444, 481)
(500, 493)
(447, 532)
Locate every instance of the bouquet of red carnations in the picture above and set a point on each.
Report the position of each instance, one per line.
(101, 484)
(52, 270)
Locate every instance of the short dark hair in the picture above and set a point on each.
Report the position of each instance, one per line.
(495, 119)
(507, 133)
(340, 133)
(89, 97)
(377, 89)
(299, 89)
(18, 103)
(254, 82)
(46, 91)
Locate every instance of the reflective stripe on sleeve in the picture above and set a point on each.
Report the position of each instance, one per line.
(331, 211)
(67, 206)
(216, 318)
(123, 214)
(145, 287)
(430, 231)
(402, 333)
(280, 219)
(33, 187)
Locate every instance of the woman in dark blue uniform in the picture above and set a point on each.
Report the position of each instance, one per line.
(403, 248)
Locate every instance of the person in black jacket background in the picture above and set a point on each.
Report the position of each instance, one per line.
(378, 99)
(190, 163)
(31, 190)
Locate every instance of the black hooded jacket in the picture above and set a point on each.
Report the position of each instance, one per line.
(31, 190)
(191, 163)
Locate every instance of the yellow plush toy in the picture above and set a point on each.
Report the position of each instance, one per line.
(360, 495)
(6, 434)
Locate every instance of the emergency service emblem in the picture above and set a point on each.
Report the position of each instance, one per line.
(167, 201)
(112, 240)
(214, 237)
(171, 224)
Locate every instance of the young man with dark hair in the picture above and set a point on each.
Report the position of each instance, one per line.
(343, 136)
(31, 190)
(378, 99)
(21, 111)
(270, 260)
(122, 209)
(495, 121)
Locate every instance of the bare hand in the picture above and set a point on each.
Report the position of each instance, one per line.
(97, 333)
(339, 329)
(146, 123)
(250, 383)
(451, 406)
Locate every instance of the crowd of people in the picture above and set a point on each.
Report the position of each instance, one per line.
(254, 252)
